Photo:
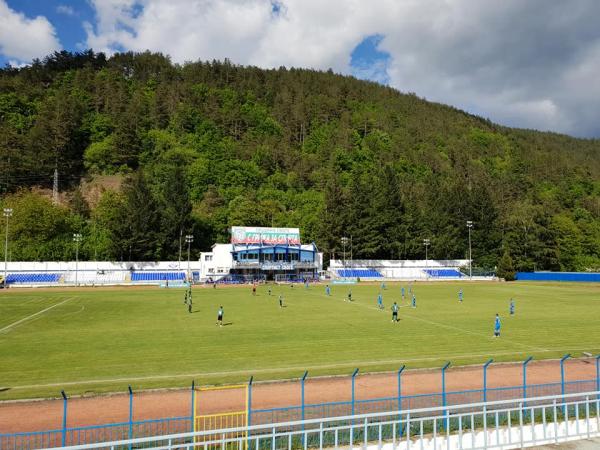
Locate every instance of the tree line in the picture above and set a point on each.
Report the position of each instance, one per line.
(199, 147)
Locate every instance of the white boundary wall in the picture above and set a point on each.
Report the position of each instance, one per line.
(96, 272)
(125, 266)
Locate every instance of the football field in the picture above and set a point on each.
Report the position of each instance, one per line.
(103, 339)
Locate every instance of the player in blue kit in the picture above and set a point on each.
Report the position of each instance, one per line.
(414, 301)
(497, 326)
(327, 291)
(380, 301)
(402, 291)
(460, 296)
(511, 308)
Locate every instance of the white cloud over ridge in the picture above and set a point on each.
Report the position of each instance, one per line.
(23, 39)
(529, 64)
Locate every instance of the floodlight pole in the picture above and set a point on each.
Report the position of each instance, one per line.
(344, 242)
(426, 243)
(7, 213)
(189, 239)
(469, 226)
(76, 239)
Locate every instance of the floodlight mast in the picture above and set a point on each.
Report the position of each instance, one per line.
(189, 239)
(426, 243)
(344, 242)
(470, 226)
(7, 213)
(77, 240)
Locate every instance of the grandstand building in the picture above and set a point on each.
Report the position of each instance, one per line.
(260, 253)
(374, 269)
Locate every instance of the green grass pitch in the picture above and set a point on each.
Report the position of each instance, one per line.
(99, 340)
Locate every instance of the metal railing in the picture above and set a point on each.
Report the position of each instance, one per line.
(497, 424)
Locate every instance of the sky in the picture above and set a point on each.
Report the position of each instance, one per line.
(522, 63)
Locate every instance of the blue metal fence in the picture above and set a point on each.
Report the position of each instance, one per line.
(174, 425)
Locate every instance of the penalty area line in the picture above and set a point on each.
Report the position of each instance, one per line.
(14, 324)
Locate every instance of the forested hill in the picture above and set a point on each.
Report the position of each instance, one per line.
(203, 146)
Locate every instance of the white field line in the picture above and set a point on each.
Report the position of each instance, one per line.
(248, 372)
(14, 324)
(450, 327)
(299, 367)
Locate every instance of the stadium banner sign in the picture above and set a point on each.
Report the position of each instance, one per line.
(265, 235)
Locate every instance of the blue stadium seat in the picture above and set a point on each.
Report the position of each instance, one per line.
(443, 273)
(359, 273)
(157, 276)
(29, 278)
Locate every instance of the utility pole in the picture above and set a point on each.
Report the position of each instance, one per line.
(469, 226)
(76, 239)
(7, 213)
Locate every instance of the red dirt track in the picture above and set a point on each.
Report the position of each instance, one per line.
(40, 415)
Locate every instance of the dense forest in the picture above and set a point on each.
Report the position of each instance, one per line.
(147, 151)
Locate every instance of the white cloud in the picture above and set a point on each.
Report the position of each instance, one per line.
(532, 64)
(66, 10)
(22, 38)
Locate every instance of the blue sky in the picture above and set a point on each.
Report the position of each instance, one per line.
(529, 64)
(66, 16)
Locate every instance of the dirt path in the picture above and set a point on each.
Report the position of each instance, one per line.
(47, 414)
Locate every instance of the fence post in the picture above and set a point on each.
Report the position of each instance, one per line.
(193, 406)
(400, 387)
(249, 401)
(400, 397)
(353, 376)
(64, 419)
(485, 366)
(130, 414)
(249, 410)
(525, 378)
(302, 391)
(302, 401)
(598, 374)
(444, 391)
(562, 375)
